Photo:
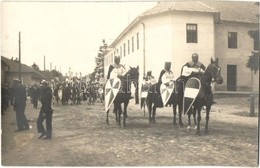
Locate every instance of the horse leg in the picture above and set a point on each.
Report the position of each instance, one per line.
(174, 113)
(107, 118)
(119, 114)
(180, 116)
(194, 118)
(115, 112)
(189, 114)
(125, 113)
(207, 118)
(149, 107)
(198, 119)
(153, 115)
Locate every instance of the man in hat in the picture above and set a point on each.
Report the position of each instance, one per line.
(149, 78)
(116, 69)
(19, 98)
(166, 76)
(193, 66)
(45, 112)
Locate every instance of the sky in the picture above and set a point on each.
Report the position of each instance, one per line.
(67, 33)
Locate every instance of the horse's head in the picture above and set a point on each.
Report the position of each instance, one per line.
(215, 71)
(133, 73)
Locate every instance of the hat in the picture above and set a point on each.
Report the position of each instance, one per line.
(17, 80)
(195, 55)
(167, 63)
(44, 82)
(117, 56)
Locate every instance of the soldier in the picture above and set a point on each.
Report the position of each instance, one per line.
(193, 66)
(166, 76)
(45, 112)
(116, 69)
(19, 96)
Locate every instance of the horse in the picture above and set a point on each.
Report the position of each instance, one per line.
(124, 95)
(178, 100)
(205, 95)
(153, 101)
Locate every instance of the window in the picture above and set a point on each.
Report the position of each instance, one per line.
(133, 44)
(120, 51)
(137, 41)
(128, 47)
(191, 33)
(124, 49)
(232, 40)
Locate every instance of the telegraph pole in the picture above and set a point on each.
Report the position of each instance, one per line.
(19, 55)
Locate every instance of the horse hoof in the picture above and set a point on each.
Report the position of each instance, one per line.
(188, 128)
(195, 127)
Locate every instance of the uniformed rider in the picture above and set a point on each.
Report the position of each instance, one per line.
(193, 66)
(166, 76)
(116, 70)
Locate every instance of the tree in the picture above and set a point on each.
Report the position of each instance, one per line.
(56, 73)
(35, 67)
(253, 60)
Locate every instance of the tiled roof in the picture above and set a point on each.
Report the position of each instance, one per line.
(236, 11)
(14, 67)
(179, 6)
(229, 10)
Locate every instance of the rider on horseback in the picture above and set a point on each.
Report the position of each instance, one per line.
(196, 68)
(116, 69)
(149, 78)
(166, 76)
(193, 66)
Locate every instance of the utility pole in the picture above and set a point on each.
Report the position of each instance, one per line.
(19, 55)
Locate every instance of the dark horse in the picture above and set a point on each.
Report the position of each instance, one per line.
(205, 95)
(153, 101)
(124, 94)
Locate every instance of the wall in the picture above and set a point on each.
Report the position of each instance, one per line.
(237, 56)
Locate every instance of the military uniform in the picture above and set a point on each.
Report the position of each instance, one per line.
(45, 112)
(19, 95)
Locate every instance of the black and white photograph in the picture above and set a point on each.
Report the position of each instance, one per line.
(130, 83)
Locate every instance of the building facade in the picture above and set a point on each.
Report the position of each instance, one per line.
(172, 31)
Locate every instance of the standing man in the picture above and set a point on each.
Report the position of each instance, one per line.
(46, 111)
(19, 97)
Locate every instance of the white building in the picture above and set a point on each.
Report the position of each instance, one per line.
(172, 31)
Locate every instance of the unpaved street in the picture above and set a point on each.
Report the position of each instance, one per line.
(82, 138)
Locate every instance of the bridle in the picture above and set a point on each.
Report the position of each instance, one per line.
(218, 70)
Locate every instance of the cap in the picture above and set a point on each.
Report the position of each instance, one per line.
(44, 82)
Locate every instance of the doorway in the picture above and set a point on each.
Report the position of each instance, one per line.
(231, 77)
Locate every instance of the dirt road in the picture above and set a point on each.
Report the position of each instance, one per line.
(82, 138)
